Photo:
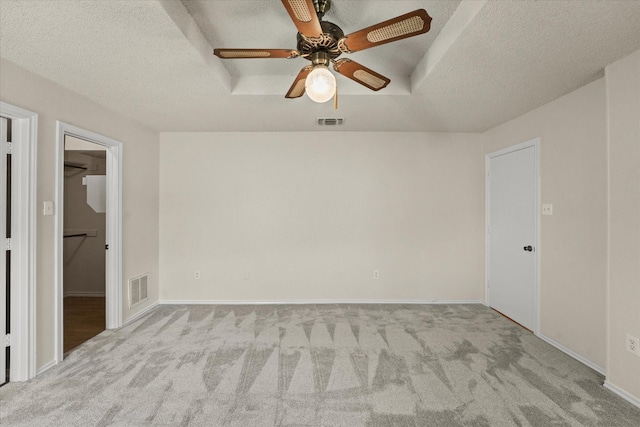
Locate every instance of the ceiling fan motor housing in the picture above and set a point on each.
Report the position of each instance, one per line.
(327, 42)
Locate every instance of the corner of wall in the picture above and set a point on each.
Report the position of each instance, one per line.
(623, 155)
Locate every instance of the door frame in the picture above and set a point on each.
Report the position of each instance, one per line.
(24, 130)
(113, 282)
(535, 143)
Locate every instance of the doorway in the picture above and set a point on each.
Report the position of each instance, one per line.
(84, 241)
(17, 248)
(512, 233)
(88, 234)
(5, 252)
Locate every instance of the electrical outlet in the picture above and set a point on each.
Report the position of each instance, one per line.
(376, 274)
(633, 345)
(196, 274)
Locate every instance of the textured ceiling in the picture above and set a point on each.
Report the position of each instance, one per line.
(266, 26)
(482, 63)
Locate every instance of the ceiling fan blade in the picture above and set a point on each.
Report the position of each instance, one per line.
(255, 53)
(402, 27)
(304, 16)
(361, 74)
(297, 88)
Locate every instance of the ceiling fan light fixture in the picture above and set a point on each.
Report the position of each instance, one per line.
(322, 42)
(320, 84)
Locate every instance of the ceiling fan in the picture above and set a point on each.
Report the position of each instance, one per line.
(322, 42)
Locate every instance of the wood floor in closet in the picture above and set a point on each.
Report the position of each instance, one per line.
(84, 318)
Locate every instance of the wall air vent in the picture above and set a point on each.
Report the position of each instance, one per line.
(138, 289)
(330, 122)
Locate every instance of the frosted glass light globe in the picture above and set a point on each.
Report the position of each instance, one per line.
(320, 84)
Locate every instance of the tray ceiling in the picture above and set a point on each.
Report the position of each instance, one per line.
(482, 63)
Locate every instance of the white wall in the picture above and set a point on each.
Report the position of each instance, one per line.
(309, 216)
(573, 241)
(623, 108)
(140, 188)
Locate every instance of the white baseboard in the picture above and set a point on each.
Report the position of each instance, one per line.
(84, 294)
(317, 301)
(573, 354)
(140, 314)
(46, 367)
(623, 394)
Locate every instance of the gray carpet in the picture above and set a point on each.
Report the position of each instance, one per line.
(317, 365)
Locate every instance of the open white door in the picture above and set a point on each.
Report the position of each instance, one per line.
(512, 232)
(22, 264)
(4, 126)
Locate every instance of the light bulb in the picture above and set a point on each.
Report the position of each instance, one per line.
(320, 84)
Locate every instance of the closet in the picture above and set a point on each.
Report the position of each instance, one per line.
(83, 241)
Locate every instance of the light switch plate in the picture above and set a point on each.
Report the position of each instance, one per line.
(47, 208)
(547, 209)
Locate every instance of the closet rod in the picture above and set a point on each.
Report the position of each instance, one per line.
(71, 165)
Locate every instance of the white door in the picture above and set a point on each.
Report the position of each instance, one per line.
(512, 188)
(3, 247)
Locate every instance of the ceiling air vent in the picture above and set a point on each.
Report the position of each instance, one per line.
(330, 122)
